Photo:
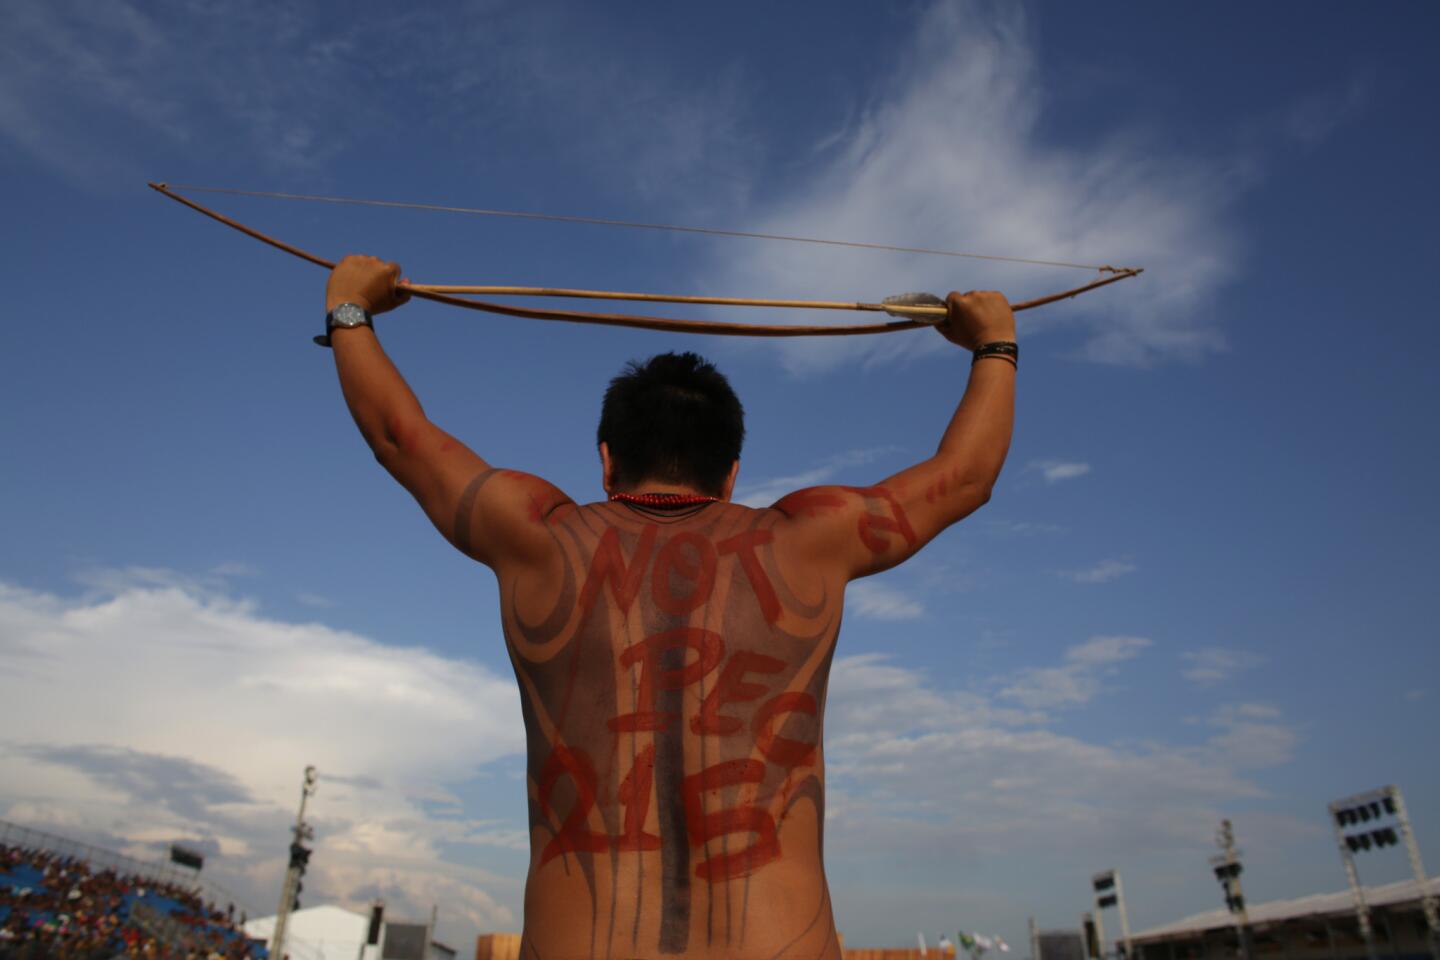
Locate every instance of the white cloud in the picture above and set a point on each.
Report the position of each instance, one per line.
(1106, 650)
(1211, 665)
(1102, 572)
(1056, 470)
(1252, 735)
(1079, 679)
(921, 769)
(880, 601)
(163, 710)
(950, 155)
(763, 493)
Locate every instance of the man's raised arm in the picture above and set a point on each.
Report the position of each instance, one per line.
(869, 529)
(494, 516)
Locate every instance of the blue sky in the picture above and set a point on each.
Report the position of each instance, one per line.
(1204, 586)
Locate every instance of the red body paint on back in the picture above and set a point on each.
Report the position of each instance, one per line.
(609, 566)
(574, 834)
(705, 827)
(743, 546)
(709, 649)
(732, 688)
(782, 750)
(635, 792)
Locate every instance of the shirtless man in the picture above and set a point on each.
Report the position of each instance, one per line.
(672, 648)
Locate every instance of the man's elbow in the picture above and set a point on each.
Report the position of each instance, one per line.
(394, 438)
(971, 497)
(980, 495)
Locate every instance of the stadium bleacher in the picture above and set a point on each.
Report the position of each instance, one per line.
(58, 906)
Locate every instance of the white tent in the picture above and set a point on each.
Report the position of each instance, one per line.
(319, 933)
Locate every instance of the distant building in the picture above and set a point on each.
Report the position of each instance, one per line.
(1060, 945)
(1318, 927)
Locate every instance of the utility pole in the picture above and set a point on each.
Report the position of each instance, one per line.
(299, 857)
(1227, 871)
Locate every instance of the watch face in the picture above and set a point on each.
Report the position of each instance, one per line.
(348, 315)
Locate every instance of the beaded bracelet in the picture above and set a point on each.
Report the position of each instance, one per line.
(1008, 349)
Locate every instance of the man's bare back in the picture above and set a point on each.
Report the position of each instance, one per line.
(673, 683)
(673, 659)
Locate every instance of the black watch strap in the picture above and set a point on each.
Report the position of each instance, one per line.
(354, 316)
(1008, 349)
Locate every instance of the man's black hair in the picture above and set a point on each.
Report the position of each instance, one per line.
(673, 418)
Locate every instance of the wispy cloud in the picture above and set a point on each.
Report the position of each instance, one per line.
(880, 601)
(765, 492)
(920, 768)
(948, 155)
(1211, 665)
(1315, 118)
(1102, 572)
(1079, 679)
(109, 90)
(1056, 470)
(1252, 735)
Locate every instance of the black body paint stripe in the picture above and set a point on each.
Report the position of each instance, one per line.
(466, 507)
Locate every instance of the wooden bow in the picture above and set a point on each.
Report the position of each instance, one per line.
(920, 315)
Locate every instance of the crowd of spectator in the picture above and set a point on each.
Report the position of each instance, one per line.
(54, 906)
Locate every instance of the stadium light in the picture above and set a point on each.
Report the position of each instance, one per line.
(1227, 871)
(1110, 892)
(1363, 809)
(186, 857)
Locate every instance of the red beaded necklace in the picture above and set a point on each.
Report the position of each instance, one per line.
(663, 500)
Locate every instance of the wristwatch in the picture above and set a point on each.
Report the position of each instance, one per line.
(345, 316)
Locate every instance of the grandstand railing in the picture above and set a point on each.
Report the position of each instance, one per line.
(13, 834)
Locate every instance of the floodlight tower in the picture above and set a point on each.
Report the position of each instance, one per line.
(1386, 802)
(1109, 892)
(1227, 871)
(299, 858)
